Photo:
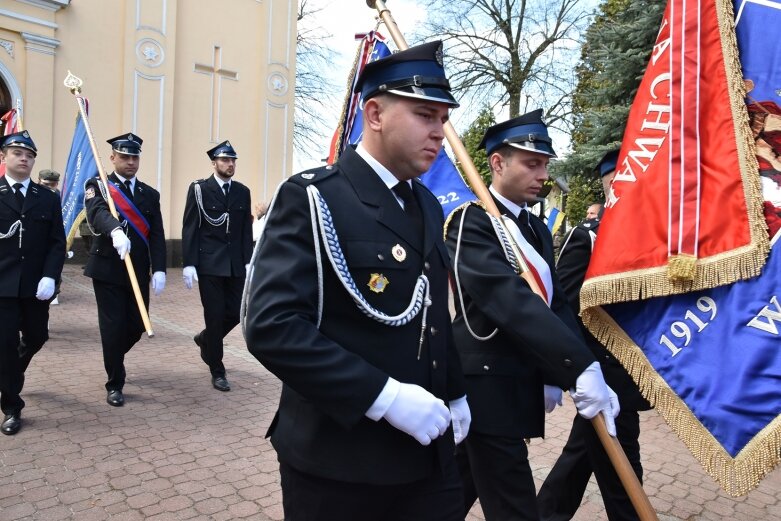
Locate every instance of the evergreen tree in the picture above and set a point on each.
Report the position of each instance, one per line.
(472, 138)
(614, 57)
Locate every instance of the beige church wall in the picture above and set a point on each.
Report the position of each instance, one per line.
(148, 67)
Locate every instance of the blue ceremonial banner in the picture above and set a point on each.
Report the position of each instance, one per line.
(80, 167)
(710, 360)
(442, 178)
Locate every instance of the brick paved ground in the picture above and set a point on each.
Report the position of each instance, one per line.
(182, 450)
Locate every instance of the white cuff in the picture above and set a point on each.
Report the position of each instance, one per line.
(384, 400)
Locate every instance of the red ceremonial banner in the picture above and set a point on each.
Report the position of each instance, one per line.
(684, 166)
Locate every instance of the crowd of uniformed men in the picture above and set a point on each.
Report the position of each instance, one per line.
(389, 409)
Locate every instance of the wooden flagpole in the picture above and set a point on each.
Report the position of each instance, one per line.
(74, 85)
(613, 448)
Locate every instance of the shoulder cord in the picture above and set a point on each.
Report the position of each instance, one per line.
(12, 231)
(458, 283)
(219, 221)
(420, 297)
(322, 226)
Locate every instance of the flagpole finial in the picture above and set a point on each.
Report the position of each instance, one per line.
(371, 3)
(73, 83)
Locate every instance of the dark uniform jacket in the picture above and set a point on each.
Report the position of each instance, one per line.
(218, 250)
(571, 268)
(534, 345)
(42, 253)
(332, 375)
(104, 263)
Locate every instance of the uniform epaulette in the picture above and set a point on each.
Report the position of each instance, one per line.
(458, 209)
(199, 181)
(313, 175)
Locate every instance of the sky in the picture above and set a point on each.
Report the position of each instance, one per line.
(342, 19)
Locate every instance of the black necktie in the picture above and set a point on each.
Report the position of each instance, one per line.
(411, 206)
(19, 195)
(527, 231)
(129, 189)
(226, 188)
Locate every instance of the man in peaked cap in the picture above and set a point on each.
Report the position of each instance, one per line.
(561, 493)
(348, 306)
(512, 342)
(50, 179)
(139, 233)
(32, 253)
(216, 248)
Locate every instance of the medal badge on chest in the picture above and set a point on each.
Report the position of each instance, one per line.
(378, 282)
(399, 253)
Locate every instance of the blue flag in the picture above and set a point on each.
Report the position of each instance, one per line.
(80, 167)
(442, 178)
(710, 360)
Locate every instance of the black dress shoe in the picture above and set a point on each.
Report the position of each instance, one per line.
(221, 383)
(201, 342)
(11, 424)
(115, 398)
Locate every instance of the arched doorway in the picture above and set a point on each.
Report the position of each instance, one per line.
(9, 92)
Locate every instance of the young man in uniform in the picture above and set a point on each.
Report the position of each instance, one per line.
(348, 307)
(32, 253)
(216, 248)
(512, 342)
(139, 233)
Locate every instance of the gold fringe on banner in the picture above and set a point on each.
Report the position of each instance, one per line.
(725, 268)
(74, 228)
(738, 475)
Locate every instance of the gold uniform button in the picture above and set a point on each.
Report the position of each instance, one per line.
(567, 362)
(381, 256)
(486, 368)
(433, 331)
(434, 364)
(427, 266)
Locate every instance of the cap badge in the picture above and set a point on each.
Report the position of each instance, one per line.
(399, 253)
(227, 143)
(378, 282)
(438, 55)
(25, 134)
(130, 137)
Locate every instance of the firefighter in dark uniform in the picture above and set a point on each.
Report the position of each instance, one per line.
(562, 491)
(511, 342)
(138, 233)
(216, 249)
(347, 305)
(32, 252)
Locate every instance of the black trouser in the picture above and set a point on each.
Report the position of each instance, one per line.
(496, 469)
(562, 491)
(121, 326)
(221, 299)
(310, 498)
(29, 316)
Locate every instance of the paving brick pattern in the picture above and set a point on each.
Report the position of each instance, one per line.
(181, 450)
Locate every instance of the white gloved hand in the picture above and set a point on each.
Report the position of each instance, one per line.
(120, 242)
(158, 282)
(552, 397)
(45, 289)
(461, 418)
(418, 413)
(189, 275)
(592, 396)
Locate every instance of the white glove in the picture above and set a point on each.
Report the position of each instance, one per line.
(461, 418)
(120, 242)
(592, 396)
(552, 397)
(189, 275)
(418, 413)
(158, 282)
(45, 289)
